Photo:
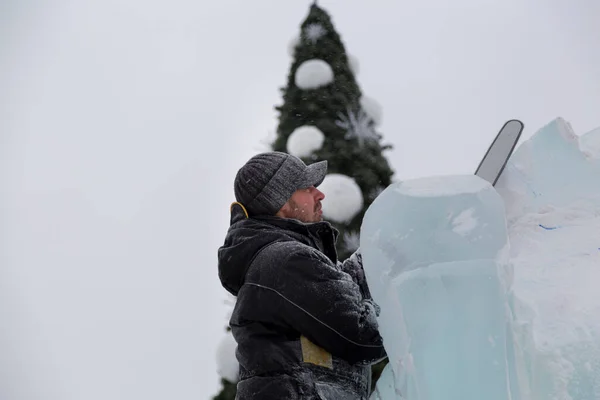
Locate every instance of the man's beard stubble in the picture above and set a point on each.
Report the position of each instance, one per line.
(300, 214)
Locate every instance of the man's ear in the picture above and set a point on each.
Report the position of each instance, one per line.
(283, 211)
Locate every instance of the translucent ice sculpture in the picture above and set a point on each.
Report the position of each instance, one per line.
(436, 258)
(435, 255)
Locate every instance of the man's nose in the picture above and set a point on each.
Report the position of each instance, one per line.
(319, 195)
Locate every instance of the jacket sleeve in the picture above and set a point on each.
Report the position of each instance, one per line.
(353, 266)
(315, 298)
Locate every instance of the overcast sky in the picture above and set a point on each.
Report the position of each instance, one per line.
(123, 123)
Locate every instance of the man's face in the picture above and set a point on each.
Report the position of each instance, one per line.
(304, 205)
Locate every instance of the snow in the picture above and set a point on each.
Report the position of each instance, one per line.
(305, 140)
(227, 364)
(372, 108)
(312, 74)
(353, 64)
(343, 198)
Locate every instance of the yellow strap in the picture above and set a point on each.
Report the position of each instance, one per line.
(239, 204)
(311, 353)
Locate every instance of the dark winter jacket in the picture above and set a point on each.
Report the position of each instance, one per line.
(305, 324)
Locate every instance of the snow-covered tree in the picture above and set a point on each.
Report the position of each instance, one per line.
(325, 116)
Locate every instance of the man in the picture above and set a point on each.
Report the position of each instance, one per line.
(305, 323)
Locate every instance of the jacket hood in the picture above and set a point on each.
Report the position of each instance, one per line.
(246, 237)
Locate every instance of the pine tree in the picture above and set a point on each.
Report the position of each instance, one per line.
(324, 116)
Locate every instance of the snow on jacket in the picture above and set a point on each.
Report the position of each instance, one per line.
(305, 324)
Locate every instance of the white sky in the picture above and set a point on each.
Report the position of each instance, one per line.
(123, 123)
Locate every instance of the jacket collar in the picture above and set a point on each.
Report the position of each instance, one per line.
(321, 235)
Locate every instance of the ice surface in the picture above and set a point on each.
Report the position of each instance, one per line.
(305, 140)
(385, 388)
(440, 186)
(440, 289)
(343, 198)
(435, 258)
(590, 143)
(549, 168)
(552, 197)
(312, 74)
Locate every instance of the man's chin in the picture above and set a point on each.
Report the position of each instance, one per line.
(315, 218)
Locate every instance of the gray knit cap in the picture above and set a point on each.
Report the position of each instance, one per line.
(268, 180)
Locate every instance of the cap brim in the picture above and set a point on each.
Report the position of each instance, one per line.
(313, 175)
